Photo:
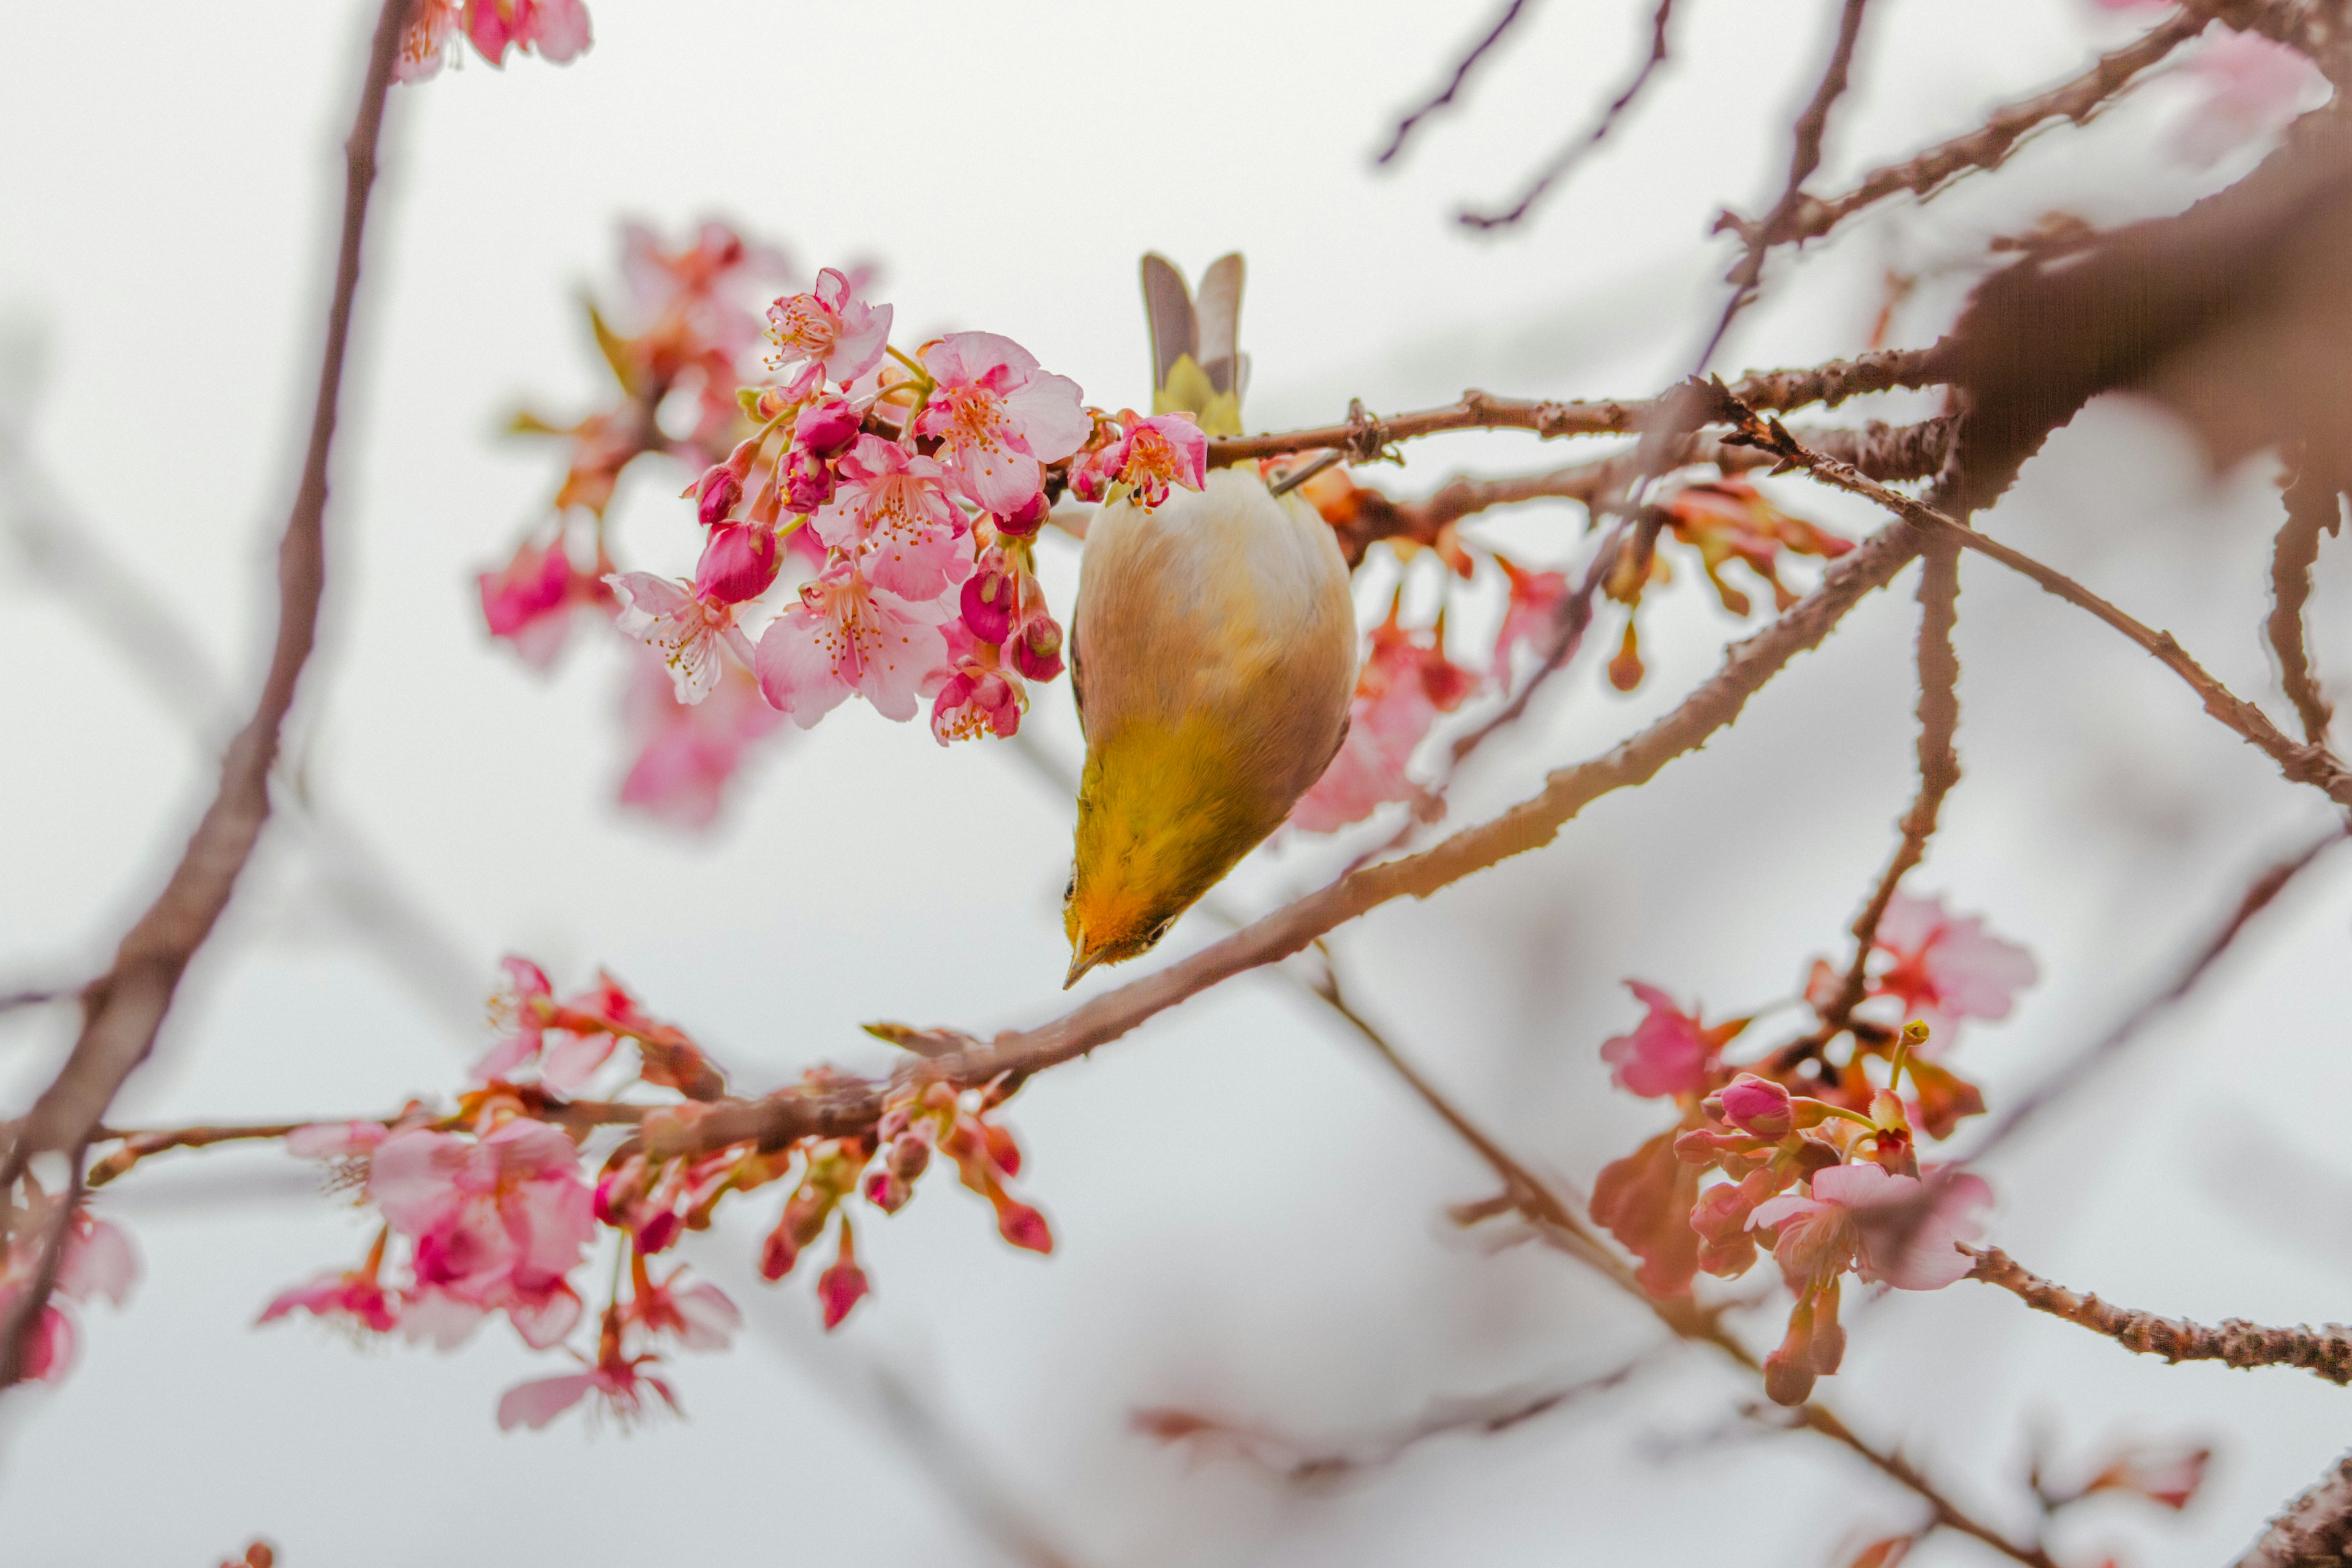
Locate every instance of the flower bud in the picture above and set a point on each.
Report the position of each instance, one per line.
(809, 480)
(888, 1190)
(907, 1157)
(826, 427)
(1037, 651)
(779, 1252)
(843, 1285)
(988, 597)
(1788, 1371)
(738, 564)
(1026, 519)
(619, 1189)
(659, 1231)
(1758, 1105)
(1002, 1151)
(1829, 1334)
(1023, 1226)
(716, 495)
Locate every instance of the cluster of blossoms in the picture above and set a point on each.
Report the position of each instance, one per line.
(1819, 1158)
(868, 517)
(556, 29)
(98, 1261)
(493, 1209)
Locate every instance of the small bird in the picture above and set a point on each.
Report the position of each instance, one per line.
(1212, 654)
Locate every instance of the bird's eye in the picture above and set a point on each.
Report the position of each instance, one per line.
(1070, 889)
(1152, 939)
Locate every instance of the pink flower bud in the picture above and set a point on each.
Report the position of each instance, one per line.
(809, 480)
(827, 427)
(805, 1213)
(717, 494)
(909, 1157)
(618, 1189)
(843, 1285)
(888, 1190)
(738, 564)
(1026, 519)
(1038, 652)
(1023, 1226)
(988, 595)
(1758, 1105)
(659, 1231)
(1001, 1149)
(779, 1252)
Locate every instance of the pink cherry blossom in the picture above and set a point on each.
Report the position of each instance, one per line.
(1406, 682)
(894, 512)
(530, 602)
(100, 1260)
(621, 1385)
(845, 637)
(998, 417)
(1666, 1053)
(356, 1299)
(498, 1221)
(558, 29)
(1155, 453)
(1897, 1230)
(684, 628)
(977, 701)
(521, 1008)
(47, 1352)
(699, 1315)
(432, 27)
(1948, 967)
(837, 335)
(687, 755)
(1530, 617)
(1037, 649)
(738, 562)
(336, 1140)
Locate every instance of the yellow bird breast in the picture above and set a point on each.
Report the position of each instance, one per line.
(1214, 652)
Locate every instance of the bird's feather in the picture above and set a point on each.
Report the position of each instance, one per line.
(1168, 307)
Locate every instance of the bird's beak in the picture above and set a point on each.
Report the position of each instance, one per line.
(1080, 961)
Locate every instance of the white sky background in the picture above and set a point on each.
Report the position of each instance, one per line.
(1248, 1209)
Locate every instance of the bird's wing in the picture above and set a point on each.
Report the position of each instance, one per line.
(1168, 304)
(1220, 316)
(1078, 678)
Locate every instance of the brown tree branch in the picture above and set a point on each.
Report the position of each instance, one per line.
(1462, 69)
(1363, 439)
(2309, 764)
(1567, 157)
(2315, 1530)
(124, 1008)
(2311, 506)
(1989, 145)
(2324, 1352)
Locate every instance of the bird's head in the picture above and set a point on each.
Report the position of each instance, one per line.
(1163, 813)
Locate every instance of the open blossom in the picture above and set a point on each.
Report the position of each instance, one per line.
(99, 1261)
(1406, 682)
(978, 701)
(1155, 453)
(356, 1298)
(498, 1221)
(699, 1315)
(845, 637)
(558, 29)
(1948, 967)
(894, 512)
(1530, 617)
(998, 417)
(1667, 1053)
(530, 601)
(684, 628)
(688, 754)
(1898, 1230)
(620, 1382)
(837, 335)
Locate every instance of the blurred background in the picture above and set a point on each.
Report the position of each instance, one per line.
(1249, 1207)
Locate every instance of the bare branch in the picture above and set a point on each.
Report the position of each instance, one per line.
(1567, 157)
(2312, 505)
(2315, 1530)
(1989, 145)
(125, 1007)
(2325, 1352)
(1364, 437)
(1468, 63)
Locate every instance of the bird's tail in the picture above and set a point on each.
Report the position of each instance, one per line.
(1197, 366)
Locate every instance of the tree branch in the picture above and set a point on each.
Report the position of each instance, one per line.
(2311, 506)
(1567, 157)
(125, 1007)
(2325, 1352)
(2315, 1530)
(1462, 69)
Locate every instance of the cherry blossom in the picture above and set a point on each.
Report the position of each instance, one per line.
(558, 29)
(498, 1222)
(684, 628)
(619, 1382)
(99, 1261)
(356, 1297)
(738, 562)
(998, 417)
(1667, 1053)
(837, 335)
(1155, 453)
(845, 637)
(530, 602)
(1948, 967)
(895, 514)
(700, 1316)
(1897, 1230)
(1530, 616)
(688, 754)
(1405, 683)
(977, 701)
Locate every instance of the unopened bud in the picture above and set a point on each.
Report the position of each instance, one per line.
(909, 1157)
(716, 495)
(1026, 519)
(988, 597)
(826, 427)
(1758, 1105)
(809, 480)
(1023, 1226)
(1037, 651)
(738, 564)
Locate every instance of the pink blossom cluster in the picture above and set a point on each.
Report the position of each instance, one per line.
(490, 1210)
(555, 30)
(1818, 1159)
(99, 1261)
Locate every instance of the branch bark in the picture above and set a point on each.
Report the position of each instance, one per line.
(2315, 1530)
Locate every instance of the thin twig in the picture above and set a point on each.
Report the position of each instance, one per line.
(2324, 1352)
(1990, 144)
(2304, 764)
(125, 1007)
(1462, 69)
(1567, 157)
(1805, 157)
(1365, 439)
(2313, 506)
(1895, 1467)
